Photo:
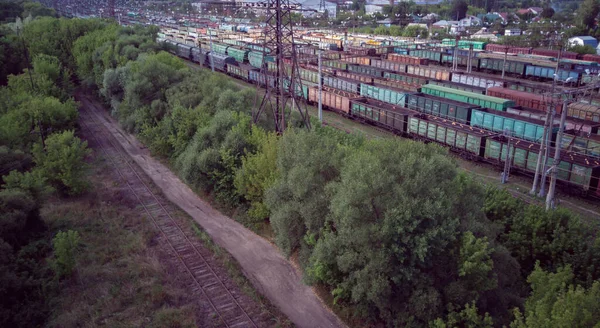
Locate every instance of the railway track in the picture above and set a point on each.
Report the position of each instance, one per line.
(191, 257)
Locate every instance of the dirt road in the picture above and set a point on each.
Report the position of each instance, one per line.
(270, 273)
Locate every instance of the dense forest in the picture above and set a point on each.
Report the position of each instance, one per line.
(391, 228)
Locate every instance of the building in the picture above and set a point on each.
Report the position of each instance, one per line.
(512, 31)
(583, 41)
(330, 8)
(470, 21)
(373, 9)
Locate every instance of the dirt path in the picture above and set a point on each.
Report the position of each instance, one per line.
(270, 273)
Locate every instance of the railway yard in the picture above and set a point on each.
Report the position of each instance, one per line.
(421, 91)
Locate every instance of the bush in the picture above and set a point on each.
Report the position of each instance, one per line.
(62, 162)
(65, 245)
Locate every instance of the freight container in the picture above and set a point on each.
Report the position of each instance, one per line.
(388, 95)
(429, 55)
(458, 86)
(554, 53)
(415, 59)
(593, 58)
(510, 67)
(362, 51)
(548, 73)
(524, 99)
(353, 76)
(458, 137)
(468, 97)
(388, 65)
(582, 144)
(584, 111)
(184, 51)
(240, 55)
(240, 71)
(351, 86)
(220, 61)
(518, 126)
(396, 84)
(406, 78)
(571, 123)
(394, 118)
(220, 48)
(461, 61)
(440, 107)
(510, 50)
(358, 60)
(367, 70)
(333, 100)
(308, 75)
(301, 88)
(255, 59)
(335, 64)
(429, 72)
(259, 78)
(573, 168)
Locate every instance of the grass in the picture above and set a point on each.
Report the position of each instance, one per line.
(121, 279)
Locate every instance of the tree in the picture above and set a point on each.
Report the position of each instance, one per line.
(394, 213)
(586, 49)
(556, 301)
(588, 12)
(548, 12)
(65, 246)
(415, 31)
(258, 172)
(62, 162)
(459, 9)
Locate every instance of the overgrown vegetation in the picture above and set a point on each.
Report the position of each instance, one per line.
(390, 228)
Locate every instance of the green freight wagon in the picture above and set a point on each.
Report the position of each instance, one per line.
(440, 107)
(519, 126)
(240, 55)
(462, 61)
(468, 97)
(387, 95)
(379, 113)
(496, 65)
(300, 91)
(220, 48)
(255, 59)
(367, 70)
(458, 86)
(458, 137)
(309, 75)
(239, 71)
(572, 168)
(335, 64)
(406, 78)
(587, 146)
(434, 56)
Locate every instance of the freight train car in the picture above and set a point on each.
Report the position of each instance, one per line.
(575, 171)
(524, 99)
(460, 138)
(440, 107)
(383, 93)
(519, 127)
(394, 118)
(332, 99)
(389, 65)
(468, 97)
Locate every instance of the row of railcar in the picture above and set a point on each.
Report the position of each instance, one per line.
(575, 170)
(451, 113)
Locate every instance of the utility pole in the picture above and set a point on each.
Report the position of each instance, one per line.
(210, 44)
(320, 89)
(538, 166)
(542, 192)
(552, 188)
(507, 160)
(504, 63)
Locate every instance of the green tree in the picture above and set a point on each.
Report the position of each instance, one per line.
(459, 9)
(394, 212)
(65, 246)
(258, 172)
(415, 31)
(588, 12)
(587, 49)
(18, 213)
(475, 263)
(467, 317)
(556, 301)
(62, 162)
(548, 12)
